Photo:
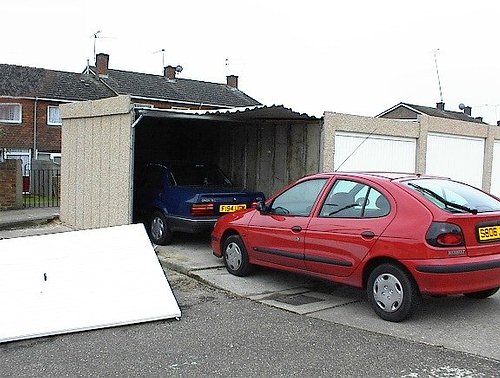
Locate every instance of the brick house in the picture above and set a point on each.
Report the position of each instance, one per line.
(411, 112)
(30, 125)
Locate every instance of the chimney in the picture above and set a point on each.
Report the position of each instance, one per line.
(101, 63)
(169, 72)
(440, 106)
(232, 81)
(468, 110)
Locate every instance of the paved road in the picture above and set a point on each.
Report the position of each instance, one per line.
(223, 335)
(244, 330)
(454, 322)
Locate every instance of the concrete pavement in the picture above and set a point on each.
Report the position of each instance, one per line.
(27, 217)
(455, 322)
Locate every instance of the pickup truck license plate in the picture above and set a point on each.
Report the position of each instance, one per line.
(231, 208)
(489, 233)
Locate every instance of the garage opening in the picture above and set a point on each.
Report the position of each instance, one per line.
(257, 155)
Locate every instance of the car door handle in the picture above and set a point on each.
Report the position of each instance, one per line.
(296, 228)
(368, 234)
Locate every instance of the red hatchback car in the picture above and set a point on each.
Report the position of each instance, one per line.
(397, 235)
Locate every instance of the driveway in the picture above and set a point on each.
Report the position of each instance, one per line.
(454, 322)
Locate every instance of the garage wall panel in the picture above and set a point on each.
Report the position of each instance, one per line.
(357, 152)
(96, 192)
(495, 172)
(458, 157)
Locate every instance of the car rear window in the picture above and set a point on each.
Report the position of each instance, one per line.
(454, 196)
(198, 175)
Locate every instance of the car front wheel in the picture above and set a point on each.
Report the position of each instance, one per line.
(158, 229)
(235, 256)
(482, 294)
(392, 292)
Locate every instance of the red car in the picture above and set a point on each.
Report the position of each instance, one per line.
(397, 235)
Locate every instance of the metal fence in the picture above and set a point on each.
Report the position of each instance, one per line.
(42, 187)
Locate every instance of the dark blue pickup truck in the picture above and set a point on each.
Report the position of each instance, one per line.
(185, 196)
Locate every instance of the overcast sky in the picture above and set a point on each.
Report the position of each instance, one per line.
(358, 56)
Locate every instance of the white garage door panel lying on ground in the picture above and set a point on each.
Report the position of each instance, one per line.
(460, 158)
(81, 280)
(358, 152)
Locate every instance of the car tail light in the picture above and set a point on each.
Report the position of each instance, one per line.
(442, 234)
(199, 209)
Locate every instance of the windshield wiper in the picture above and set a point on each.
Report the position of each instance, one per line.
(441, 199)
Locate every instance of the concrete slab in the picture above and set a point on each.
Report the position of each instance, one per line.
(189, 255)
(316, 301)
(456, 323)
(261, 282)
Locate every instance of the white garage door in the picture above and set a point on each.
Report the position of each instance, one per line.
(495, 172)
(458, 157)
(358, 152)
(81, 280)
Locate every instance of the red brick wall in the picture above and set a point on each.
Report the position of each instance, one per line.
(21, 135)
(10, 185)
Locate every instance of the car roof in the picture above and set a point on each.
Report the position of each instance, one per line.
(391, 176)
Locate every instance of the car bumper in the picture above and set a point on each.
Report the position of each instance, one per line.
(456, 275)
(191, 225)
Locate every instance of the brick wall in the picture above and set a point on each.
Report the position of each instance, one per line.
(20, 136)
(11, 185)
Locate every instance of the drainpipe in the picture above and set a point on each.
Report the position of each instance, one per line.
(34, 129)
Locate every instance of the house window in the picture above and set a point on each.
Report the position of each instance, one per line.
(10, 113)
(53, 116)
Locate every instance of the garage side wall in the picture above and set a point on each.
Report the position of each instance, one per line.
(96, 164)
(266, 155)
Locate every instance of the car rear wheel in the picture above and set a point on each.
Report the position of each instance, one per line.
(158, 229)
(482, 294)
(235, 256)
(392, 292)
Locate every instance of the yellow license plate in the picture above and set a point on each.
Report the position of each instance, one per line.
(231, 208)
(489, 233)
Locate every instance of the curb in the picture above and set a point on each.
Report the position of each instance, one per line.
(23, 223)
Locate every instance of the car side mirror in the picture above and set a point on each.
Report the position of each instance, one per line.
(261, 207)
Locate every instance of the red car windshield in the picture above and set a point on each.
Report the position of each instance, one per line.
(454, 196)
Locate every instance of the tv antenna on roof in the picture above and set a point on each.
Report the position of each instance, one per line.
(162, 57)
(437, 71)
(95, 36)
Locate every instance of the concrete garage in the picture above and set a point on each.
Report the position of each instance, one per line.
(104, 141)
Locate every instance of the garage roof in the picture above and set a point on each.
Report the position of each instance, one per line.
(260, 112)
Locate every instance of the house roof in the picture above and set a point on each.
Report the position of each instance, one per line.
(157, 87)
(433, 112)
(21, 81)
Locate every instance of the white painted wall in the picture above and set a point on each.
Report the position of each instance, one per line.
(458, 157)
(495, 171)
(357, 151)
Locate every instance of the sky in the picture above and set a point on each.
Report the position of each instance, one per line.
(357, 57)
